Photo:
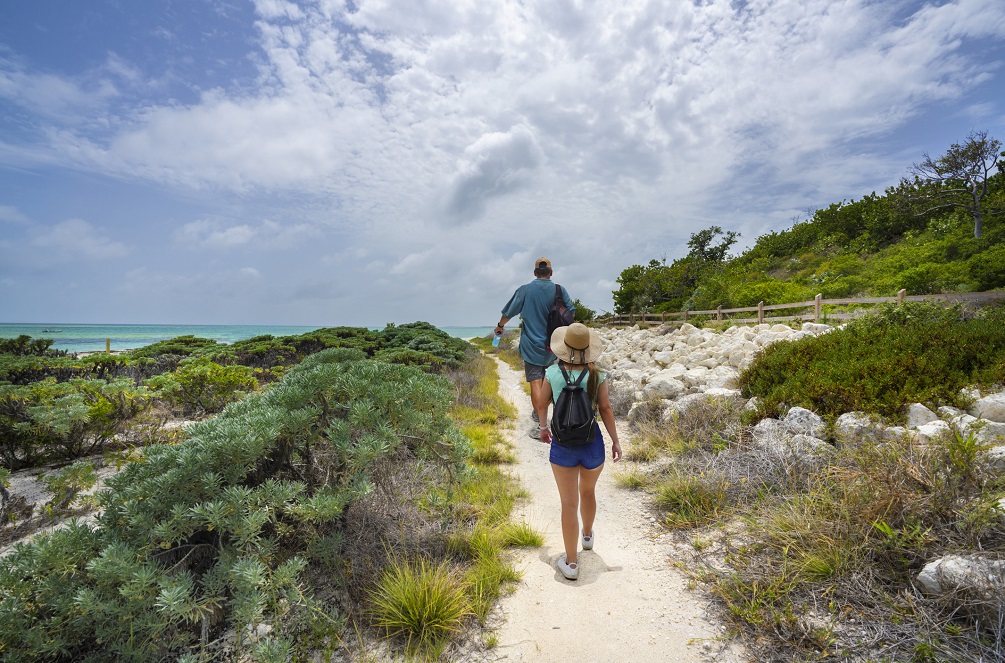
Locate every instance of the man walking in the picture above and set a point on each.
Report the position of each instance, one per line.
(532, 301)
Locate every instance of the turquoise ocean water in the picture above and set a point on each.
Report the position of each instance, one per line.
(91, 338)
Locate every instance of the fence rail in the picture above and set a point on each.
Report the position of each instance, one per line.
(817, 304)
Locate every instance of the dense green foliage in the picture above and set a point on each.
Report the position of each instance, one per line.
(224, 526)
(55, 407)
(200, 386)
(873, 246)
(879, 363)
(49, 420)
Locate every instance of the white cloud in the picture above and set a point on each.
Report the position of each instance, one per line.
(216, 234)
(494, 165)
(11, 214)
(79, 238)
(411, 142)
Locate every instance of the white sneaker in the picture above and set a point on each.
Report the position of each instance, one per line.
(587, 541)
(570, 571)
(534, 432)
(533, 415)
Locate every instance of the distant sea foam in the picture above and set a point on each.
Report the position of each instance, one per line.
(91, 338)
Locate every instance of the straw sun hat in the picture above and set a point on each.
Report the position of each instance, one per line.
(576, 344)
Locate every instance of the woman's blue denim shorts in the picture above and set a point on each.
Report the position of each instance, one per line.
(590, 456)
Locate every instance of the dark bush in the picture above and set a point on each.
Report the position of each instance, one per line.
(912, 353)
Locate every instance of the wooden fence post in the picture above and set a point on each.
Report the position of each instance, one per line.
(816, 307)
(685, 315)
(760, 313)
(108, 346)
(663, 317)
(718, 313)
(900, 296)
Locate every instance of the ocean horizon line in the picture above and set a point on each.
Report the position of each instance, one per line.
(92, 337)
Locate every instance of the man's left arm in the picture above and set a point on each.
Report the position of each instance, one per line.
(567, 299)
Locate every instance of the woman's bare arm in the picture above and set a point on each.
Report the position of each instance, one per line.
(607, 415)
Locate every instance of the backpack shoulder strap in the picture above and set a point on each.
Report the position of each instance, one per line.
(568, 380)
(558, 295)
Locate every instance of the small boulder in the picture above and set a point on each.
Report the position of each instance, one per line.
(856, 425)
(990, 407)
(801, 421)
(918, 415)
(663, 387)
(933, 431)
(975, 576)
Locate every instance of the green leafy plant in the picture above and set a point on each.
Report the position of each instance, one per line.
(200, 386)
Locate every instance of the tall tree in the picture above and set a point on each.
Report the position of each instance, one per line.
(959, 178)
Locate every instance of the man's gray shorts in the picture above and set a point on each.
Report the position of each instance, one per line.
(533, 371)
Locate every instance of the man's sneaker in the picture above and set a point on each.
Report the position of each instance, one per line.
(535, 432)
(588, 541)
(533, 415)
(570, 571)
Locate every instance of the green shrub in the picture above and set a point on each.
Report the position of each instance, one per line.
(912, 353)
(26, 345)
(49, 420)
(222, 527)
(200, 386)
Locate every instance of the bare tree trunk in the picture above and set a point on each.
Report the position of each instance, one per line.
(978, 223)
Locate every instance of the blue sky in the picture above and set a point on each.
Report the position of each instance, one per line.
(337, 162)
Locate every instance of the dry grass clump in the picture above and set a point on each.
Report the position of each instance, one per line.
(819, 560)
(847, 546)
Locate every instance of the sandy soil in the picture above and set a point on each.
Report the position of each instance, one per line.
(629, 604)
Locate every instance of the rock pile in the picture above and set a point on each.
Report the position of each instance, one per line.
(666, 364)
(665, 370)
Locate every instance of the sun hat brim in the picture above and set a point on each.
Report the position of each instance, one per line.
(571, 355)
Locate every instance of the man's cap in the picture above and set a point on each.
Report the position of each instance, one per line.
(542, 263)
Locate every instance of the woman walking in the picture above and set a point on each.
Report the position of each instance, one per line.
(577, 468)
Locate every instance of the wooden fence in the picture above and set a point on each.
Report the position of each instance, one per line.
(816, 304)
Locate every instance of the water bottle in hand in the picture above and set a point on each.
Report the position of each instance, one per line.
(495, 339)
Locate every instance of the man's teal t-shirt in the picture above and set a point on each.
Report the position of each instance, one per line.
(532, 302)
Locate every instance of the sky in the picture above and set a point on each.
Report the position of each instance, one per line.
(359, 162)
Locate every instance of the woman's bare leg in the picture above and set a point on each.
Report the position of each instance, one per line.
(567, 479)
(588, 496)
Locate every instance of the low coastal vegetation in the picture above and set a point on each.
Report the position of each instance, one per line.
(817, 559)
(930, 234)
(346, 493)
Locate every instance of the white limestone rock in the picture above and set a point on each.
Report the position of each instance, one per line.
(933, 431)
(753, 405)
(721, 392)
(683, 404)
(799, 420)
(990, 407)
(695, 376)
(996, 459)
(664, 358)
(769, 433)
(852, 426)
(722, 377)
(918, 415)
(815, 328)
(663, 387)
(971, 575)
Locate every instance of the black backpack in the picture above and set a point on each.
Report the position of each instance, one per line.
(573, 420)
(558, 316)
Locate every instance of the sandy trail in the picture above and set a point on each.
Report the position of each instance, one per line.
(629, 603)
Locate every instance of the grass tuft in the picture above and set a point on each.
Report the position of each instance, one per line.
(423, 602)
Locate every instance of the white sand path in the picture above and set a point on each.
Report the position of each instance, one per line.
(629, 604)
